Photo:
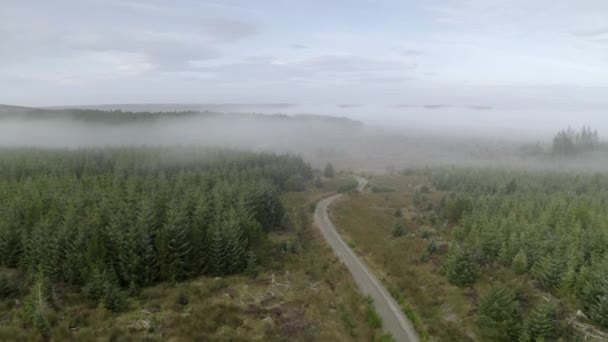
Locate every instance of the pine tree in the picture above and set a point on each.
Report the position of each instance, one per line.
(146, 268)
(498, 315)
(329, 172)
(549, 272)
(236, 245)
(599, 310)
(520, 262)
(504, 256)
(460, 267)
(71, 246)
(36, 307)
(112, 299)
(128, 258)
(94, 288)
(218, 255)
(543, 321)
(201, 221)
(178, 243)
(252, 265)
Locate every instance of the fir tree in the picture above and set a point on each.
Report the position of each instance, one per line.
(543, 321)
(498, 315)
(329, 172)
(252, 265)
(520, 262)
(460, 267)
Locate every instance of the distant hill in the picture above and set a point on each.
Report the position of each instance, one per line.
(119, 116)
(15, 109)
(194, 107)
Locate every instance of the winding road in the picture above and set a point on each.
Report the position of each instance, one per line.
(394, 321)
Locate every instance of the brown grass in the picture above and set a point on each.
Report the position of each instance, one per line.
(445, 311)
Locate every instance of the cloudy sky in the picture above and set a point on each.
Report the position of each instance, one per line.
(504, 54)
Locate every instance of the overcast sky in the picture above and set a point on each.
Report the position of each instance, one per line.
(505, 54)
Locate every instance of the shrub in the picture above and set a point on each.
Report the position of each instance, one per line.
(398, 229)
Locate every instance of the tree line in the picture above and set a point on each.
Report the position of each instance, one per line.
(569, 142)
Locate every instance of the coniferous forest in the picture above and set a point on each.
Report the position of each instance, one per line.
(103, 222)
(549, 227)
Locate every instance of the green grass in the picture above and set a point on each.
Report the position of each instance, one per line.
(348, 186)
(380, 189)
(373, 319)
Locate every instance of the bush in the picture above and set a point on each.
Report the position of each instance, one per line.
(183, 298)
(373, 319)
(348, 186)
(398, 213)
(398, 229)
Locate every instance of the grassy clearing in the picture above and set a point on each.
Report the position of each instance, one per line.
(435, 307)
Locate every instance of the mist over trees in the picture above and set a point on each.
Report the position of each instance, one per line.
(569, 142)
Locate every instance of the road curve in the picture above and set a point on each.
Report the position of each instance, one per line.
(394, 321)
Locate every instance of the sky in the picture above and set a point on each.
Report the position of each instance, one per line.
(548, 57)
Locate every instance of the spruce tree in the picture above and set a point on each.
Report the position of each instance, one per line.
(178, 244)
(329, 172)
(543, 320)
(36, 307)
(236, 245)
(460, 267)
(498, 315)
(252, 265)
(144, 232)
(218, 251)
(112, 298)
(520, 262)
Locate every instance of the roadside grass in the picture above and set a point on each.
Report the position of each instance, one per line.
(373, 318)
(437, 309)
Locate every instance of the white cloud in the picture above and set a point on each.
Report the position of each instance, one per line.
(499, 52)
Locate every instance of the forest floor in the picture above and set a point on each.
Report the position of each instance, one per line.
(302, 293)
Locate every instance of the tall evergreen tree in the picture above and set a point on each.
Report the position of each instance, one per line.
(460, 267)
(498, 315)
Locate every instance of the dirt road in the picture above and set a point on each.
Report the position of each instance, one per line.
(394, 321)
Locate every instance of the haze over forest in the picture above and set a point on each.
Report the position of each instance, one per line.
(282, 170)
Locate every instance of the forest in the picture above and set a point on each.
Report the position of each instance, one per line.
(569, 142)
(549, 227)
(101, 224)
